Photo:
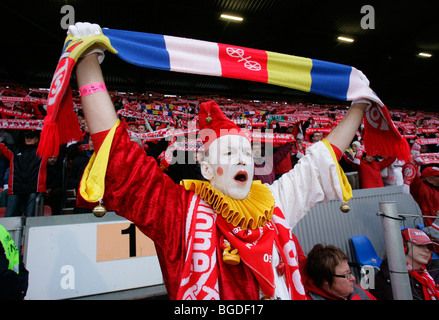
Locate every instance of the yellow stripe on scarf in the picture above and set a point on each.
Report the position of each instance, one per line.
(76, 46)
(289, 71)
(345, 186)
(92, 186)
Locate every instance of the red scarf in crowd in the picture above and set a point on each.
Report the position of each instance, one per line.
(429, 287)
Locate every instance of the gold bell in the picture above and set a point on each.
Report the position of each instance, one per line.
(345, 208)
(208, 119)
(99, 211)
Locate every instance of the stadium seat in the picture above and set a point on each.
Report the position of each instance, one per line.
(365, 253)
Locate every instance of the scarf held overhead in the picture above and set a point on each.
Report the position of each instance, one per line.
(328, 79)
(310, 75)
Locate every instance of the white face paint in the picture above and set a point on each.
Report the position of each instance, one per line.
(229, 166)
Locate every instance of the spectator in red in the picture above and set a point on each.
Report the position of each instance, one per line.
(424, 277)
(298, 149)
(316, 137)
(141, 128)
(424, 188)
(132, 126)
(285, 164)
(369, 170)
(327, 276)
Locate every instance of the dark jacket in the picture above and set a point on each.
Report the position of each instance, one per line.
(27, 171)
(54, 175)
(185, 168)
(383, 287)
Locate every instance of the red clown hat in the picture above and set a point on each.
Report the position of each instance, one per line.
(214, 124)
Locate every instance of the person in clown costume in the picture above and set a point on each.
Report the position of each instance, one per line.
(225, 238)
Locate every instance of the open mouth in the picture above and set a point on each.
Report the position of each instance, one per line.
(241, 177)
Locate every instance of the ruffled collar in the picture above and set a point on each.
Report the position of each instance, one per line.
(252, 212)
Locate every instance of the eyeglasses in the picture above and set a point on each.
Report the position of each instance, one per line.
(347, 276)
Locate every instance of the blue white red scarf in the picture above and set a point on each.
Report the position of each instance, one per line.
(215, 59)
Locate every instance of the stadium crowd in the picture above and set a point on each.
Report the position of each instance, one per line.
(165, 126)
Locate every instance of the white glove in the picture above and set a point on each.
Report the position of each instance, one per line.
(363, 100)
(366, 81)
(363, 77)
(84, 29)
(359, 89)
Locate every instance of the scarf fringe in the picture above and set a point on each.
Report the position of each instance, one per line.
(382, 144)
(67, 120)
(50, 136)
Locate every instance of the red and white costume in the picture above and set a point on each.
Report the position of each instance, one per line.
(173, 216)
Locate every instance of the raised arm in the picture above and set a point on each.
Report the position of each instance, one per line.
(97, 107)
(342, 135)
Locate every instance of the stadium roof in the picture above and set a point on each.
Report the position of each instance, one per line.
(32, 39)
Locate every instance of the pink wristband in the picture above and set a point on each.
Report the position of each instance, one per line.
(92, 88)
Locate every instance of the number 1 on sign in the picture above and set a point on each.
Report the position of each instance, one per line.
(131, 231)
(117, 241)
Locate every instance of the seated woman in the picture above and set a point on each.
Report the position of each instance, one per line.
(424, 280)
(327, 276)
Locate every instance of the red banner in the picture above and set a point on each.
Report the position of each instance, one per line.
(426, 130)
(13, 113)
(427, 141)
(141, 115)
(427, 158)
(23, 99)
(21, 124)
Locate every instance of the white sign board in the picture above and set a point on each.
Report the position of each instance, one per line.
(80, 259)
